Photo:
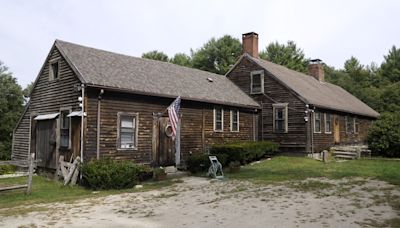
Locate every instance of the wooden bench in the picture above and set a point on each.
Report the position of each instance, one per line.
(30, 163)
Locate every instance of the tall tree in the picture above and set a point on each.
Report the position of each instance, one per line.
(288, 55)
(11, 105)
(217, 55)
(181, 59)
(156, 55)
(390, 68)
(27, 90)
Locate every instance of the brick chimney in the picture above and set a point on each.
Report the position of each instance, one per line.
(316, 69)
(250, 44)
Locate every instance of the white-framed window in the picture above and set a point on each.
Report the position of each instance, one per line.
(54, 69)
(280, 117)
(349, 125)
(328, 123)
(218, 119)
(356, 126)
(317, 122)
(65, 128)
(257, 82)
(127, 130)
(234, 120)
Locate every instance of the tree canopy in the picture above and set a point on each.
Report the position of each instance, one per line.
(217, 55)
(181, 59)
(11, 106)
(156, 55)
(288, 55)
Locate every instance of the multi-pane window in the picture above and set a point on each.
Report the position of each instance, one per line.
(257, 82)
(64, 129)
(280, 118)
(349, 125)
(328, 123)
(234, 120)
(127, 131)
(54, 70)
(317, 122)
(356, 126)
(218, 119)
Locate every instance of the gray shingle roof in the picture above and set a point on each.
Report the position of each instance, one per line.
(320, 94)
(106, 69)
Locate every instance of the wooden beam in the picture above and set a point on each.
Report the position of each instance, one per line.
(13, 187)
(30, 174)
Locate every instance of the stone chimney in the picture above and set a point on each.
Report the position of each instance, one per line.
(250, 44)
(316, 69)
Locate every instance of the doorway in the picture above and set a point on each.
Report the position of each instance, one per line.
(336, 129)
(45, 139)
(166, 146)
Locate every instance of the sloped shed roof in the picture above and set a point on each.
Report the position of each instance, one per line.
(314, 92)
(126, 73)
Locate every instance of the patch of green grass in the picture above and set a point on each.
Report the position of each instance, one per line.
(47, 191)
(299, 168)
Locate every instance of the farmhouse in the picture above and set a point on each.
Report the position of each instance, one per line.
(300, 112)
(97, 104)
(124, 100)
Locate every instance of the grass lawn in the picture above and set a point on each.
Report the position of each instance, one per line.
(46, 191)
(299, 168)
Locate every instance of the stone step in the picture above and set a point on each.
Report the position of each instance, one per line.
(344, 153)
(345, 157)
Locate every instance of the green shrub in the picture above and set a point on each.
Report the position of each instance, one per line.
(245, 152)
(384, 136)
(242, 152)
(7, 169)
(198, 163)
(110, 174)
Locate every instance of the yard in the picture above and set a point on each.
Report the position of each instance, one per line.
(282, 192)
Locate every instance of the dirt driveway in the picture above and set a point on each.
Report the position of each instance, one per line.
(199, 202)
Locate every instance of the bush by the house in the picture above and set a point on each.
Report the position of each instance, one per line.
(384, 136)
(245, 152)
(242, 152)
(7, 169)
(198, 163)
(110, 174)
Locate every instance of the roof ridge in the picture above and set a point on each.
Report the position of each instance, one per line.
(138, 58)
(110, 69)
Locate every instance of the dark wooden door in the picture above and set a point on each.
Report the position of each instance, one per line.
(46, 143)
(166, 152)
(336, 130)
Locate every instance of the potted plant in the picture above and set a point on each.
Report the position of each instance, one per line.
(234, 167)
(159, 173)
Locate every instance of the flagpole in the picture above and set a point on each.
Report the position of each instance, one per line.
(178, 143)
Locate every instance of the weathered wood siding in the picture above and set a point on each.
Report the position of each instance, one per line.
(298, 137)
(196, 127)
(47, 97)
(274, 93)
(324, 140)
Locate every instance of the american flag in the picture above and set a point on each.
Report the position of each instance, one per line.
(173, 113)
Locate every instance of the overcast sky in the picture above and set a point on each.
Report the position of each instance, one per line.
(330, 30)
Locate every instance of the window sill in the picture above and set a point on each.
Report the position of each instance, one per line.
(315, 132)
(256, 93)
(328, 133)
(280, 132)
(127, 149)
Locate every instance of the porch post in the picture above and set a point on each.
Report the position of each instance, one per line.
(178, 144)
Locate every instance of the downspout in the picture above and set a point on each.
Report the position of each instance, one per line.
(98, 123)
(82, 118)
